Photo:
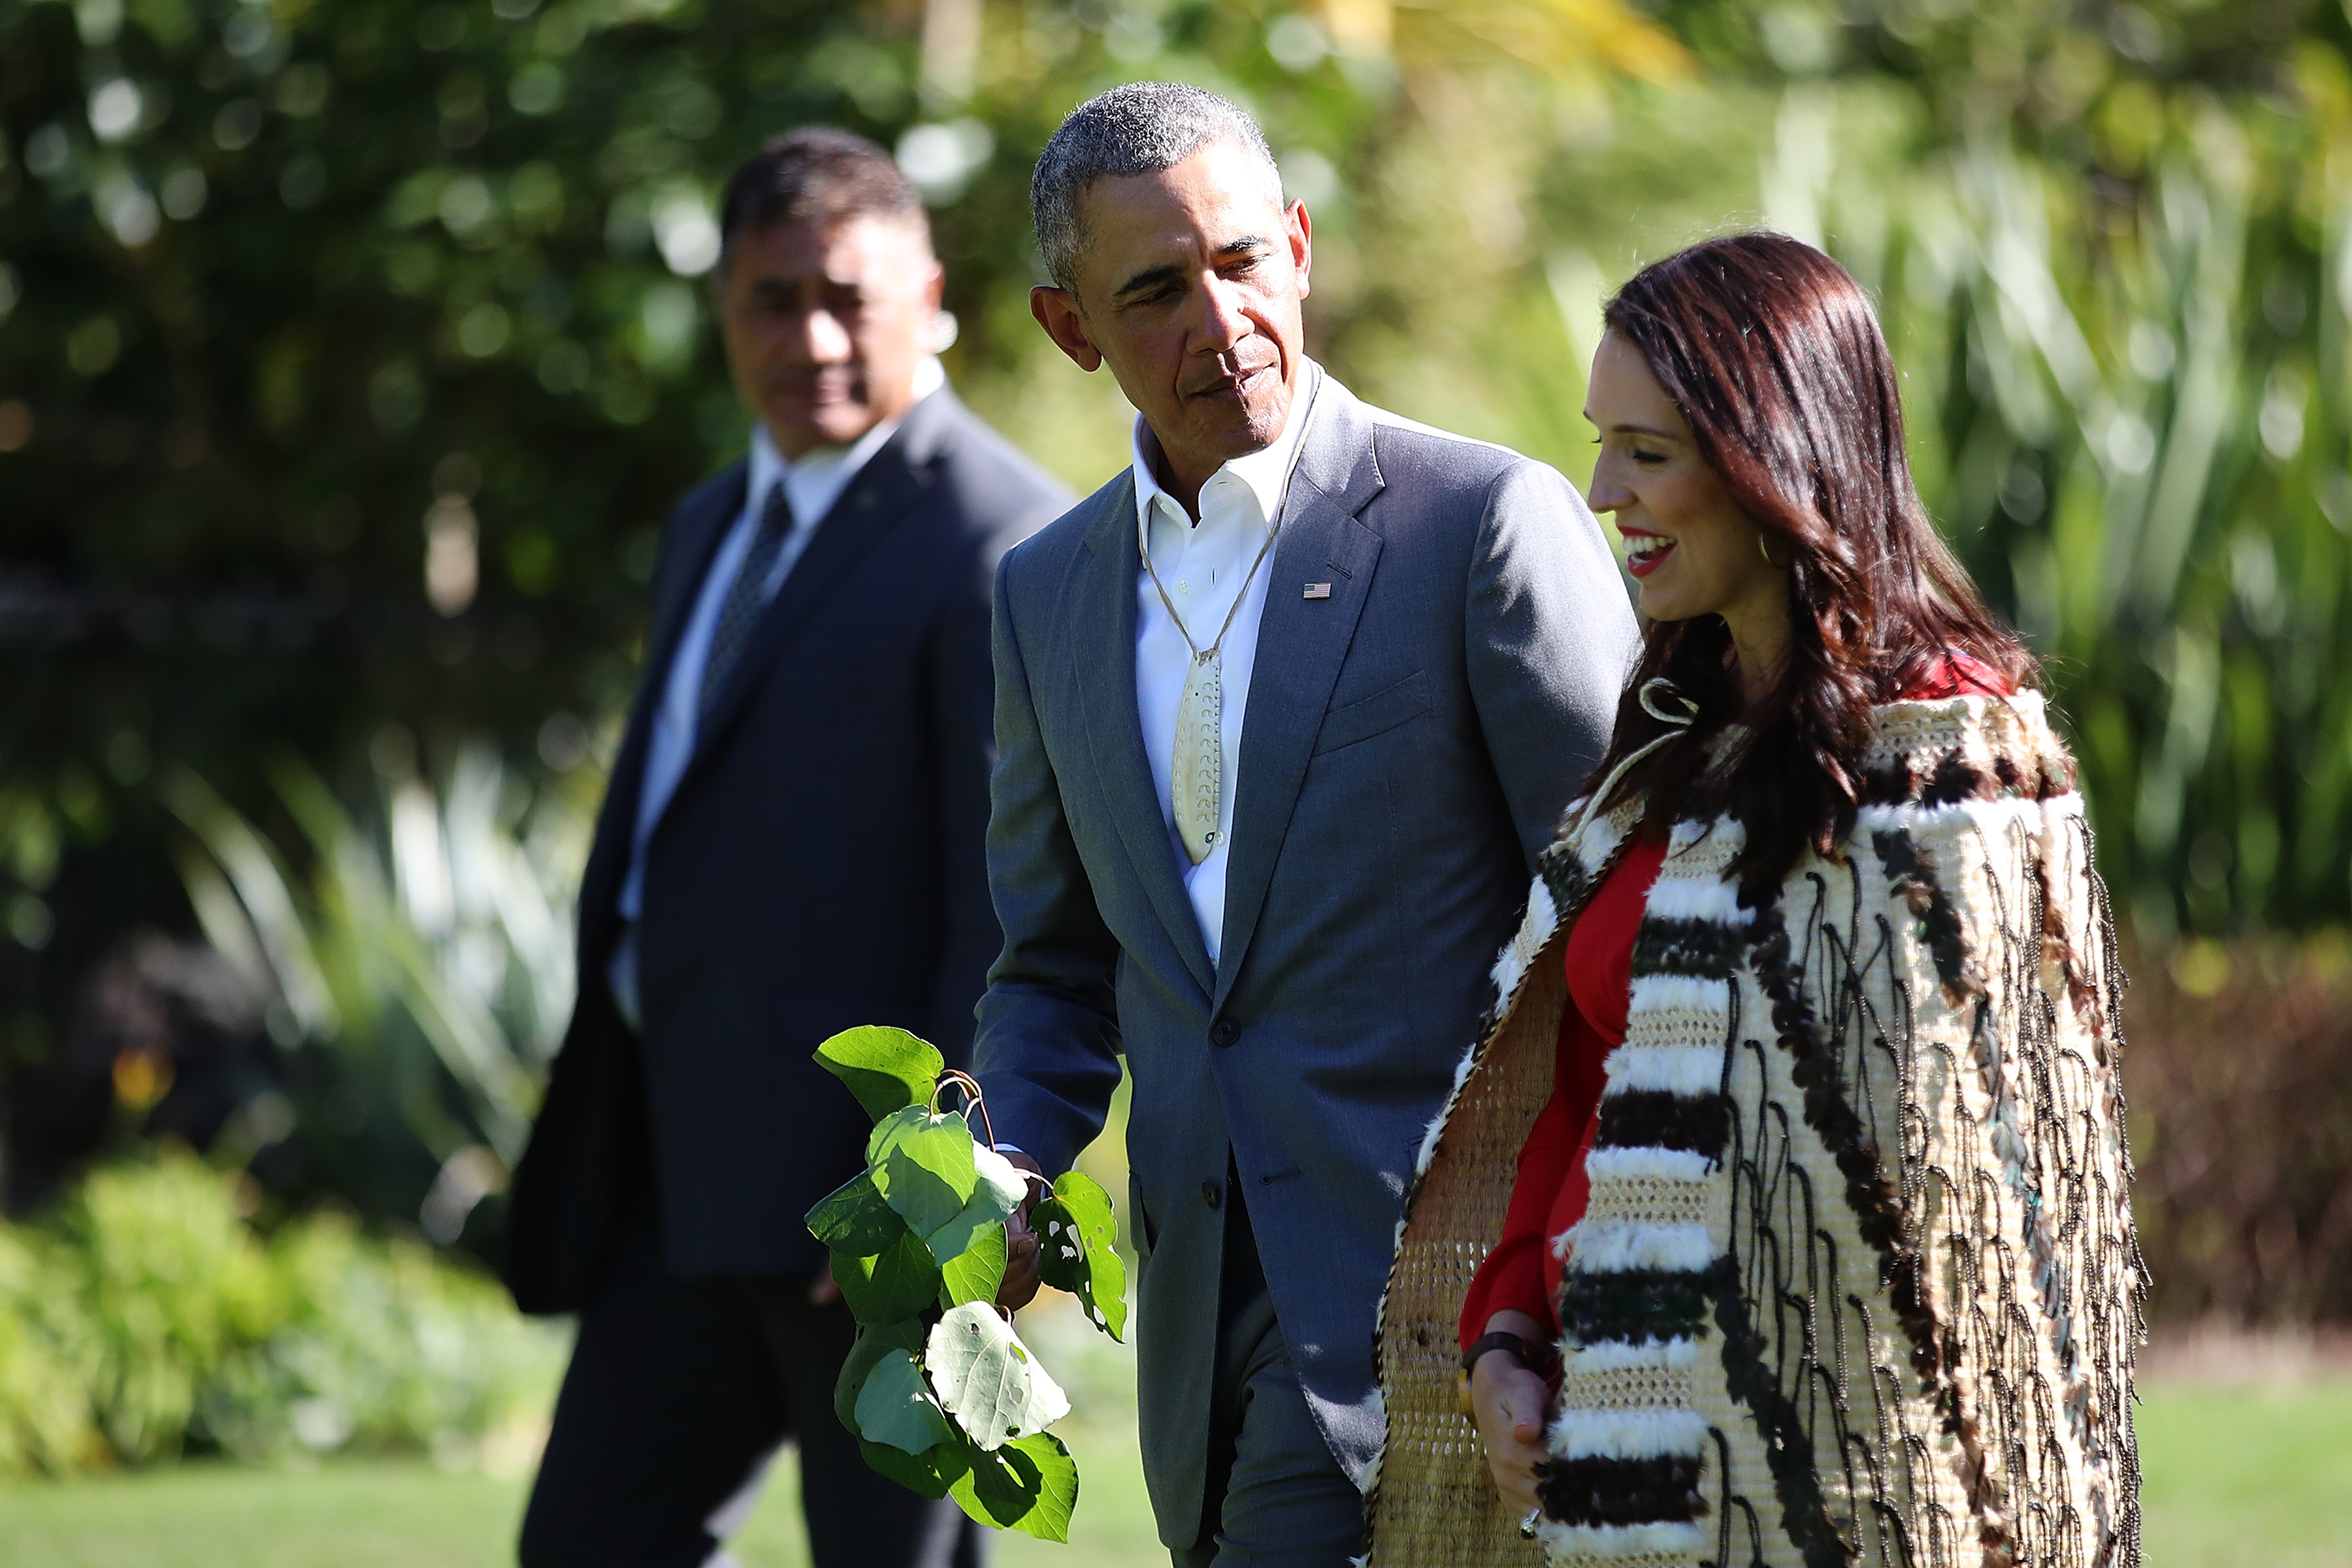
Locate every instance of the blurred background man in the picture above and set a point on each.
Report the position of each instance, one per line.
(791, 845)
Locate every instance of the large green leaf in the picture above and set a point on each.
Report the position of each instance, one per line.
(930, 1473)
(1077, 1250)
(997, 1191)
(1031, 1484)
(856, 1218)
(975, 1273)
(874, 1341)
(884, 1068)
(987, 1379)
(899, 1282)
(923, 1165)
(897, 1407)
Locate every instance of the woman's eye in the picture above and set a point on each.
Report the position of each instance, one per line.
(1648, 459)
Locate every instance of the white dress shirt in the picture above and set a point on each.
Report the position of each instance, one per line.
(1201, 565)
(812, 482)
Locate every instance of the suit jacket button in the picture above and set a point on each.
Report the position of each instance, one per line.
(1210, 1194)
(1224, 1032)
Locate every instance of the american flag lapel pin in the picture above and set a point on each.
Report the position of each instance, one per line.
(1317, 591)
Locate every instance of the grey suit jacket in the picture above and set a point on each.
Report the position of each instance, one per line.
(1409, 744)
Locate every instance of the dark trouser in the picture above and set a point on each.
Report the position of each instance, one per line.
(677, 1391)
(1276, 1498)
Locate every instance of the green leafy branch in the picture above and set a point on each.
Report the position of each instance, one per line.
(943, 1396)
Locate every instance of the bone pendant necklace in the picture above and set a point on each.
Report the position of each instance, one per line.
(1197, 795)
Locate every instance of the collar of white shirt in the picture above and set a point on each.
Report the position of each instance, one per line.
(816, 479)
(1260, 473)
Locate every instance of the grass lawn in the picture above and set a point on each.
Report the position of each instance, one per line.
(2234, 1476)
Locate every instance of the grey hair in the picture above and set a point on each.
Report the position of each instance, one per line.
(1139, 128)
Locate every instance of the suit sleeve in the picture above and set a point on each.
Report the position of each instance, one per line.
(1047, 1050)
(1551, 640)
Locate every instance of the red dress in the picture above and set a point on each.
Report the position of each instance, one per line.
(1549, 1193)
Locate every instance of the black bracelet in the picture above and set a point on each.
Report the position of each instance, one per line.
(1538, 1360)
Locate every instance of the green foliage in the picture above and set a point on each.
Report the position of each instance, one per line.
(922, 1164)
(427, 957)
(896, 1405)
(986, 1379)
(885, 1068)
(1076, 1229)
(856, 1218)
(897, 1283)
(943, 1396)
(146, 1317)
(1031, 1484)
(976, 1273)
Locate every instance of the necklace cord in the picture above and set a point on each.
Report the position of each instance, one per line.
(1274, 528)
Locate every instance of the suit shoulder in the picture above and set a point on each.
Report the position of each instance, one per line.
(723, 490)
(1414, 453)
(1064, 537)
(1000, 487)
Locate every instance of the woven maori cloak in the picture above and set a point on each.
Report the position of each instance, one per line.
(1858, 1281)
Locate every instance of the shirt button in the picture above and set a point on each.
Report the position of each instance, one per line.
(1224, 1032)
(1211, 1195)
(1184, 585)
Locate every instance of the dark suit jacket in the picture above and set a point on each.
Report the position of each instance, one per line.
(1409, 744)
(820, 867)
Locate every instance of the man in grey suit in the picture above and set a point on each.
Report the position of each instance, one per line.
(1284, 713)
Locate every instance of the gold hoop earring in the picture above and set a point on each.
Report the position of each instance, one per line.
(1764, 552)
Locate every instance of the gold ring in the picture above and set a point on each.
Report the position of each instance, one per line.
(1527, 1525)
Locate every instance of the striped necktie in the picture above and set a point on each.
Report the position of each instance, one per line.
(747, 595)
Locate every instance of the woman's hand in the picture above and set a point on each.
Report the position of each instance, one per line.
(1511, 1404)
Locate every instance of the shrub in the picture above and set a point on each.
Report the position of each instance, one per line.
(2240, 1073)
(146, 1317)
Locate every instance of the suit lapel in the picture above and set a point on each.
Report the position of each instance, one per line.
(1102, 644)
(877, 503)
(1301, 645)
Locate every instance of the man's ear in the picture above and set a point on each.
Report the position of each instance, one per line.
(1058, 311)
(1300, 232)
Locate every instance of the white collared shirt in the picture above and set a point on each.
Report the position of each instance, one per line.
(1202, 566)
(812, 482)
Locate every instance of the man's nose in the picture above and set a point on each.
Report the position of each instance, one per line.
(824, 340)
(1223, 323)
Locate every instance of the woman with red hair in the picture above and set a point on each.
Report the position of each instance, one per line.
(1817, 1247)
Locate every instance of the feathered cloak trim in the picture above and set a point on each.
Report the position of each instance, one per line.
(1857, 1280)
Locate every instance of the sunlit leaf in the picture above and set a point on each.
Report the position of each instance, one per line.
(998, 1190)
(986, 1378)
(884, 1068)
(975, 1274)
(1078, 1234)
(1030, 1485)
(923, 1166)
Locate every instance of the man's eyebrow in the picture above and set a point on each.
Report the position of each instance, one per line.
(1149, 278)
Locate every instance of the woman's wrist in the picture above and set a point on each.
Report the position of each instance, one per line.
(1534, 1355)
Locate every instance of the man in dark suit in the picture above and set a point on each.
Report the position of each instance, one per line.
(791, 845)
(1284, 712)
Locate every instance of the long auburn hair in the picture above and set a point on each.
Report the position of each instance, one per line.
(1774, 356)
